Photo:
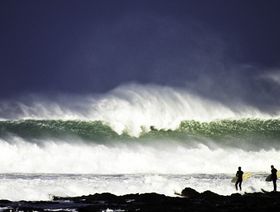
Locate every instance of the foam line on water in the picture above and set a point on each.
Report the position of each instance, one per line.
(43, 187)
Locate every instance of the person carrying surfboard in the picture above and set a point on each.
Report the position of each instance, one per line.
(274, 177)
(239, 175)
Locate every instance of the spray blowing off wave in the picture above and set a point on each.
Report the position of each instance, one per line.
(128, 108)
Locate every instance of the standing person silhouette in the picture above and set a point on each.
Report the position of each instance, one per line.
(274, 177)
(239, 175)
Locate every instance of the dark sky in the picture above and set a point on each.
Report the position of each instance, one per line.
(215, 48)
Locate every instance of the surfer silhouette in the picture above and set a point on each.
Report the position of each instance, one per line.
(274, 177)
(239, 175)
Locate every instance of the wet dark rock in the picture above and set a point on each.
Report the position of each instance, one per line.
(189, 192)
(209, 195)
(189, 200)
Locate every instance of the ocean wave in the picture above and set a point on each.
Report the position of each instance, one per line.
(245, 129)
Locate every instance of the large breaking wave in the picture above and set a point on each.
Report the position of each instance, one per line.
(135, 129)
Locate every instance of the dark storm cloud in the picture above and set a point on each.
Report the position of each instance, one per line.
(214, 48)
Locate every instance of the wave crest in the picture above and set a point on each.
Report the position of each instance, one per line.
(129, 108)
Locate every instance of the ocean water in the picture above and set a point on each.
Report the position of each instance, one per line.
(45, 186)
(134, 139)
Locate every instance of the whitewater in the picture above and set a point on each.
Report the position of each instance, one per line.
(133, 139)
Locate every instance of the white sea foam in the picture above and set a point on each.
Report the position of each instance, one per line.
(123, 168)
(18, 155)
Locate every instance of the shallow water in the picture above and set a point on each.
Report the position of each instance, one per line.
(44, 186)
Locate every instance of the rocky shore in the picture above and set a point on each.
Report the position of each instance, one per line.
(188, 200)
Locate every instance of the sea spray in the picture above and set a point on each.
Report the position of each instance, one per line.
(130, 108)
